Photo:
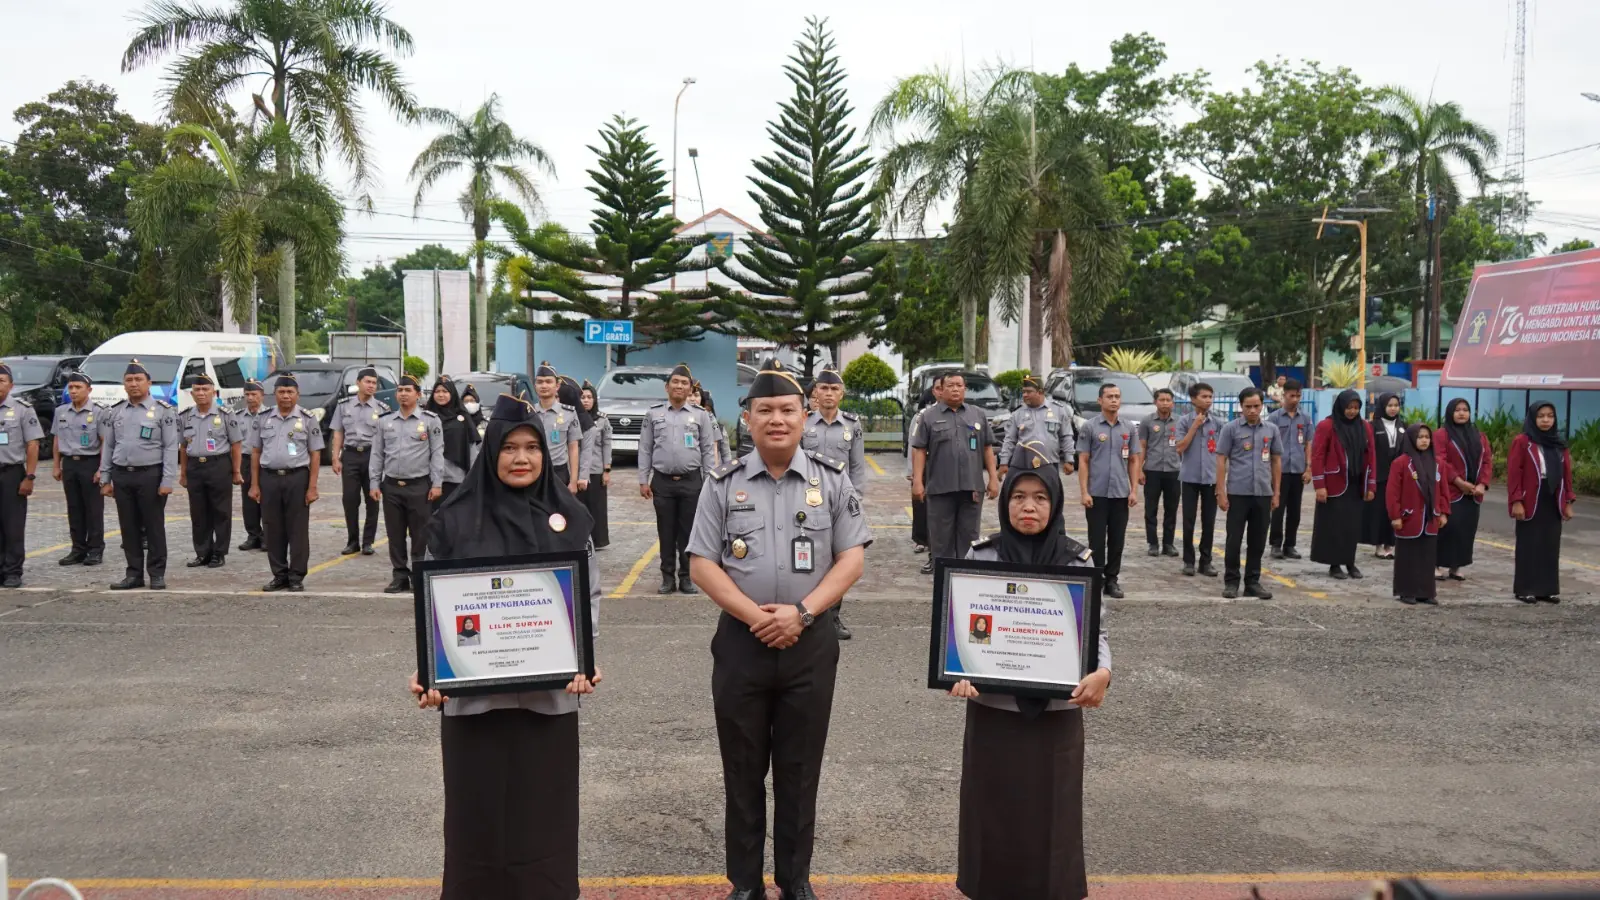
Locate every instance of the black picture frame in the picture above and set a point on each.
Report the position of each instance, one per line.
(938, 638)
(582, 614)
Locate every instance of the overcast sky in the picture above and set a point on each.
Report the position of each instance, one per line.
(563, 69)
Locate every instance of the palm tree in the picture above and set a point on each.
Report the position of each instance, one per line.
(1422, 140)
(487, 148)
(315, 58)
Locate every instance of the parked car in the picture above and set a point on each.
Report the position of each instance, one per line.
(323, 385)
(982, 392)
(1225, 388)
(175, 358)
(1079, 388)
(490, 385)
(41, 382)
(625, 394)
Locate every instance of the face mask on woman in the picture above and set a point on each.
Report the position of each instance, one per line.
(471, 406)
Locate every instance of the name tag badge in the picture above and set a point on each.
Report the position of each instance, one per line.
(555, 438)
(1266, 449)
(1124, 446)
(5, 438)
(689, 439)
(211, 445)
(146, 432)
(83, 439)
(1171, 440)
(972, 441)
(804, 558)
(294, 449)
(1300, 432)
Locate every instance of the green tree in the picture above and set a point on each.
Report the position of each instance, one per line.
(1574, 245)
(635, 251)
(813, 273)
(315, 56)
(868, 374)
(67, 262)
(922, 316)
(490, 152)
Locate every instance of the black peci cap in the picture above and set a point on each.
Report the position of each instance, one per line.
(512, 409)
(545, 370)
(78, 378)
(1030, 381)
(681, 369)
(5, 370)
(135, 368)
(828, 376)
(202, 380)
(773, 381)
(253, 386)
(286, 380)
(410, 381)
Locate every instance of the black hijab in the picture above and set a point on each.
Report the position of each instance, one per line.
(572, 395)
(1352, 433)
(1550, 443)
(1050, 547)
(1464, 436)
(1423, 462)
(459, 431)
(485, 517)
(1380, 410)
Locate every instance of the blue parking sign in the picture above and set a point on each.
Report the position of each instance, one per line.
(601, 331)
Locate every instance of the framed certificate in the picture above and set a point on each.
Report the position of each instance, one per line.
(494, 626)
(1028, 631)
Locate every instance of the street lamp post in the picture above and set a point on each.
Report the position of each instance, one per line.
(1361, 308)
(675, 103)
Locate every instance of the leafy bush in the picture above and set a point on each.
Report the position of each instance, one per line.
(1501, 427)
(1011, 380)
(1341, 375)
(416, 366)
(881, 408)
(1132, 361)
(867, 374)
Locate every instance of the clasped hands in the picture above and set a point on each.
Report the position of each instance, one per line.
(779, 626)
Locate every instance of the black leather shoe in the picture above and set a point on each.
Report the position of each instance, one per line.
(1355, 572)
(919, 548)
(1188, 569)
(668, 585)
(1257, 591)
(1113, 590)
(1152, 550)
(840, 629)
(251, 543)
(11, 581)
(1551, 599)
(1528, 600)
(799, 892)
(296, 587)
(399, 585)
(276, 584)
(128, 584)
(93, 559)
(685, 586)
(366, 550)
(1230, 591)
(927, 567)
(1407, 601)
(350, 549)
(72, 559)
(1291, 553)
(217, 562)
(1277, 553)
(1207, 570)
(158, 582)
(1169, 550)
(1428, 601)
(196, 563)
(747, 894)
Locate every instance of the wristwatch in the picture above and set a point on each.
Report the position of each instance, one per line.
(28, 477)
(806, 618)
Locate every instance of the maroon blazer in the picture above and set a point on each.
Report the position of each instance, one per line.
(1522, 476)
(1450, 455)
(1403, 496)
(1327, 462)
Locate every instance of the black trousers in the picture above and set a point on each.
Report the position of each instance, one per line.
(13, 520)
(252, 509)
(1247, 522)
(210, 504)
(676, 498)
(355, 481)
(406, 510)
(445, 490)
(919, 521)
(1162, 486)
(86, 509)
(563, 474)
(953, 521)
(142, 515)
(287, 519)
(1286, 518)
(1203, 496)
(772, 710)
(1108, 529)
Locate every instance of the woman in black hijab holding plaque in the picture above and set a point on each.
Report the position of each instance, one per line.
(511, 760)
(1023, 836)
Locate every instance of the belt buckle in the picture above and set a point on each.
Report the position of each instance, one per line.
(201, 458)
(131, 468)
(282, 471)
(676, 477)
(399, 482)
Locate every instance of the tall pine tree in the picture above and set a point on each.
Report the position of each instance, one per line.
(813, 275)
(626, 271)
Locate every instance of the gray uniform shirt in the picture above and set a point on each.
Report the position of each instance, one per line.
(19, 424)
(208, 434)
(560, 424)
(1109, 447)
(77, 431)
(1159, 440)
(140, 434)
(286, 442)
(589, 452)
(248, 422)
(1048, 425)
(675, 441)
(357, 420)
(408, 447)
(1294, 435)
(1249, 449)
(954, 439)
(839, 439)
(1200, 460)
(1008, 703)
(741, 501)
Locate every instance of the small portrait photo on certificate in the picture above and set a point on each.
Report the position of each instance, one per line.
(979, 632)
(467, 634)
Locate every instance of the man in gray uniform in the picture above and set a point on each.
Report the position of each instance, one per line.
(1108, 464)
(247, 418)
(1248, 463)
(779, 537)
(836, 435)
(208, 466)
(353, 424)
(139, 467)
(77, 441)
(1158, 472)
(560, 425)
(1042, 421)
(952, 452)
(407, 473)
(1197, 443)
(675, 452)
(1295, 431)
(20, 434)
(285, 462)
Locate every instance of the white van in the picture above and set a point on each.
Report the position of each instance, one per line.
(174, 358)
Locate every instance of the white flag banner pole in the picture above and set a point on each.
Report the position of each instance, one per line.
(455, 320)
(422, 336)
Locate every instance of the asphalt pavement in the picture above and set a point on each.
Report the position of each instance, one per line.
(214, 741)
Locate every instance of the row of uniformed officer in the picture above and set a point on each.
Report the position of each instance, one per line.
(407, 474)
(139, 467)
(354, 425)
(19, 461)
(285, 461)
(76, 435)
(952, 452)
(836, 435)
(208, 466)
(676, 448)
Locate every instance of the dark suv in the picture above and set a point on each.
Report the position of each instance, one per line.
(41, 381)
(982, 392)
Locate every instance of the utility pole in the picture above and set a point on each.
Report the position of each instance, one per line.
(675, 103)
(1435, 278)
(1361, 304)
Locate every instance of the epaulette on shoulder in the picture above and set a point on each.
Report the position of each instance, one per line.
(983, 543)
(849, 416)
(726, 469)
(23, 403)
(163, 403)
(569, 408)
(384, 406)
(658, 405)
(122, 402)
(830, 462)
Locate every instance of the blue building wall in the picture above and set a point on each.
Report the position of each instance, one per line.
(713, 360)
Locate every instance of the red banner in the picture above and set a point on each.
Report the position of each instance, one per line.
(1530, 323)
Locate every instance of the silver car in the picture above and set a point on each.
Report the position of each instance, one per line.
(625, 394)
